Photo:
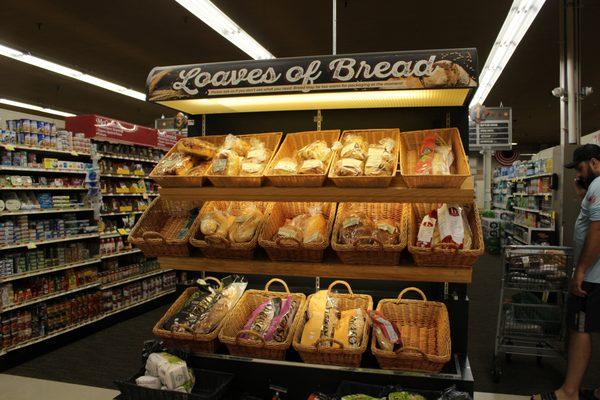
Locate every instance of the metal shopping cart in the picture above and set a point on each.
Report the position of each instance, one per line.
(531, 319)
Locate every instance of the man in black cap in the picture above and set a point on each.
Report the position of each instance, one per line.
(583, 304)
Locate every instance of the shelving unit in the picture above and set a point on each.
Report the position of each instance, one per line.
(43, 271)
(45, 211)
(42, 188)
(34, 244)
(45, 150)
(41, 170)
(36, 300)
(133, 278)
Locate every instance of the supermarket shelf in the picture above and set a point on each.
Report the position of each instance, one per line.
(8, 146)
(523, 194)
(535, 210)
(500, 205)
(137, 303)
(82, 324)
(42, 188)
(396, 192)
(41, 242)
(47, 211)
(531, 228)
(133, 278)
(326, 269)
(114, 234)
(522, 177)
(128, 194)
(48, 297)
(124, 176)
(43, 271)
(121, 213)
(122, 157)
(518, 239)
(121, 253)
(50, 170)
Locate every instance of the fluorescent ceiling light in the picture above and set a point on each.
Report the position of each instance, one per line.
(514, 143)
(517, 22)
(314, 101)
(212, 16)
(35, 108)
(70, 72)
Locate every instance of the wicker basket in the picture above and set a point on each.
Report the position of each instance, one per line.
(163, 219)
(410, 143)
(371, 136)
(193, 342)
(381, 254)
(425, 332)
(336, 355)
(232, 329)
(218, 247)
(284, 250)
(291, 144)
(439, 257)
(185, 181)
(271, 141)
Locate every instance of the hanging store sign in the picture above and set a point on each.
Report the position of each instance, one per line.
(492, 129)
(453, 68)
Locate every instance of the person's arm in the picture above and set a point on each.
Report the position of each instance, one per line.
(589, 256)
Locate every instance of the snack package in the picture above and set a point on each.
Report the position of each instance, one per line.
(450, 223)
(317, 150)
(355, 224)
(312, 166)
(380, 158)
(386, 333)
(196, 147)
(348, 167)
(292, 228)
(316, 314)
(261, 318)
(245, 223)
(427, 229)
(315, 227)
(386, 231)
(349, 330)
(424, 165)
(227, 162)
(354, 146)
(285, 166)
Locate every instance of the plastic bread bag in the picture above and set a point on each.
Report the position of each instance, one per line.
(284, 309)
(200, 302)
(199, 169)
(196, 147)
(312, 166)
(283, 328)
(175, 374)
(315, 314)
(386, 231)
(330, 319)
(315, 226)
(450, 222)
(256, 158)
(261, 318)
(292, 228)
(354, 224)
(386, 332)
(349, 330)
(424, 165)
(348, 167)
(175, 164)
(317, 150)
(236, 144)
(380, 158)
(245, 223)
(427, 229)
(442, 158)
(216, 223)
(228, 297)
(286, 166)
(354, 146)
(227, 162)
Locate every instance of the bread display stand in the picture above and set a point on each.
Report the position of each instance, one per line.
(445, 284)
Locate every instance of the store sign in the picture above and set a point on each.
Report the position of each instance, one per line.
(453, 68)
(491, 129)
(114, 130)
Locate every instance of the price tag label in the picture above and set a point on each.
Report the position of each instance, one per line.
(122, 231)
(9, 147)
(145, 196)
(31, 246)
(74, 153)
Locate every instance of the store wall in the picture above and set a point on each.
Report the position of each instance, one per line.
(6, 115)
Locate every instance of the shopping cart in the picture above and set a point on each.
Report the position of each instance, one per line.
(531, 318)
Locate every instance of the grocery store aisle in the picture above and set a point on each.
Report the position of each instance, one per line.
(22, 388)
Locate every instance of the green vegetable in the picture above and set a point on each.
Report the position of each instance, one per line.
(404, 396)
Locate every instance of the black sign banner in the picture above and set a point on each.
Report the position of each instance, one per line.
(493, 130)
(452, 68)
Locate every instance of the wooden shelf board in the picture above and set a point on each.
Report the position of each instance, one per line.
(396, 192)
(327, 269)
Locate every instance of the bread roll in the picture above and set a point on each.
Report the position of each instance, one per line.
(216, 223)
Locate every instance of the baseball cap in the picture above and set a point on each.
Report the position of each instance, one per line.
(584, 153)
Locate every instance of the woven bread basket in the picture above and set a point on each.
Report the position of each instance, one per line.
(271, 141)
(161, 232)
(424, 330)
(410, 144)
(442, 257)
(360, 252)
(371, 136)
(290, 146)
(220, 247)
(292, 250)
(232, 330)
(335, 354)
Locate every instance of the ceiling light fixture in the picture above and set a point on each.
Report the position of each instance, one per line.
(35, 108)
(70, 72)
(212, 16)
(517, 22)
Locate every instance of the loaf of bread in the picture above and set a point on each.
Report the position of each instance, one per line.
(317, 150)
(196, 147)
(355, 147)
(227, 162)
(348, 167)
(355, 224)
(386, 231)
(380, 158)
(312, 166)
(245, 223)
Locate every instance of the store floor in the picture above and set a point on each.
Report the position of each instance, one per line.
(114, 352)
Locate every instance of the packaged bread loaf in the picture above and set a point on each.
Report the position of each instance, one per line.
(256, 158)
(348, 167)
(216, 223)
(315, 227)
(317, 150)
(271, 319)
(236, 144)
(286, 166)
(226, 162)
(245, 223)
(386, 231)
(315, 314)
(380, 158)
(349, 329)
(354, 146)
(292, 229)
(199, 148)
(386, 332)
(435, 156)
(354, 224)
(175, 164)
